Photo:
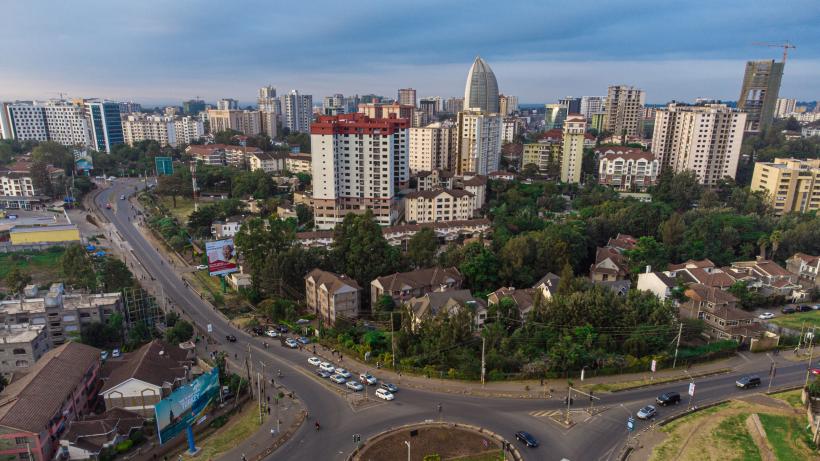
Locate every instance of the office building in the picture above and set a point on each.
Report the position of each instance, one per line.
(454, 105)
(193, 106)
(758, 95)
(624, 110)
(507, 105)
(627, 169)
(407, 97)
(358, 163)
(227, 104)
(430, 108)
(297, 111)
(791, 185)
(105, 124)
(572, 105)
(432, 147)
(554, 116)
(572, 150)
(55, 120)
(590, 105)
(130, 107)
(479, 142)
(333, 105)
(784, 107)
(705, 139)
(481, 90)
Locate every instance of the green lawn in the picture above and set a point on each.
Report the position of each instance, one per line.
(732, 432)
(790, 397)
(40, 264)
(796, 321)
(788, 437)
(241, 426)
(185, 206)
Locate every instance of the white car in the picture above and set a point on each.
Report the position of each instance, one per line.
(766, 316)
(291, 343)
(367, 378)
(327, 366)
(315, 361)
(384, 394)
(354, 386)
(338, 379)
(343, 372)
(116, 353)
(201, 267)
(271, 333)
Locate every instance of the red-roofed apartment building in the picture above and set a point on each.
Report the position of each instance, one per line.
(627, 169)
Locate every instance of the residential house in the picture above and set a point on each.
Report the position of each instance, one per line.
(806, 268)
(773, 278)
(609, 264)
(450, 302)
(502, 176)
(662, 284)
(435, 179)
(332, 296)
(619, 287)
(523, 298)
(718, 309)
(36, 409)
(402, 286)
(446, 231)
(140, 379)
(267, 162)
(86, 439)
(547, 286)
(298, 163)
(476, 185)
(227, 228)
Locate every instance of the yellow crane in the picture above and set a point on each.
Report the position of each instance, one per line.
(786, 45)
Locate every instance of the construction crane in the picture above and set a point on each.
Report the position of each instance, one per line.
(786, 45)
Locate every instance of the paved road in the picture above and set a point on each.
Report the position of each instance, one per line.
(599, 438)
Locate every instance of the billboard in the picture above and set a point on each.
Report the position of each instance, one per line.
(221, 257)
(164, 166)
(186, 405)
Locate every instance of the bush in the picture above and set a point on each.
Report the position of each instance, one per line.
(124, 446)
(814, 388)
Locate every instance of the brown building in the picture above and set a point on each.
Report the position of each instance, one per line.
(332, 296)
(718, 309)
(402, 286)
(806, 267)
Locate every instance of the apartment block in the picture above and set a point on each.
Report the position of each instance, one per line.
(432, 147)
(438, 205)
(297, 111)
(55, 120)
(624, 110)
(627, 169)
(407, 97)
(332, 296)
(784, 107)
(298, 163)
(507, 105)
(791, 185)
(479, 142)
(572, 149)
(705, 139)
(21, 346)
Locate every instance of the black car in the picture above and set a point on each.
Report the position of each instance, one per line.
(231, 338)
(748, 381)
(788, 310)
(258, 331)
(527, 438)
(668, 398)
(282, 328)
(804, 308)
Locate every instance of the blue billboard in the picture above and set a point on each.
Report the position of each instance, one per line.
(186, 405)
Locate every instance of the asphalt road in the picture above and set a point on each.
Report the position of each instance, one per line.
(599, 438)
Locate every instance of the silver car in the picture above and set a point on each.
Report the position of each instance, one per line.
(647, 412)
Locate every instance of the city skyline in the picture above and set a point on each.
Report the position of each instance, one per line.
(174, 52)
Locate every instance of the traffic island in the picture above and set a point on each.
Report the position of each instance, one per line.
(439, 441)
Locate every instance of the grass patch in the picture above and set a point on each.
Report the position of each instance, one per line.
(732, 432)
(787, 436)
(239, 428)
(790, 397)
(38, 263)
(795, 321)
(623, 385)
(185, 206)
(495, 455)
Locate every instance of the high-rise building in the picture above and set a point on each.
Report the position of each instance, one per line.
(591, 105)
(572, 150)
(432, 147)
(705, 139)
(358, 163)
(509, 129)
(130, 107)
(223, 120)
(24, 121)
(479, 142)
(784, 107)
(334, 105)
(573, 105)
(193, 106)
(227, 104)
(267, 100)
(407, 97)
(66, 123)
(507, 105)
(554, 116)
(270, 123)
(142, 127)
(297, 111)
(454, 105)
(188, 129)
(430, 107)
(758, 95)
(481, 91)
(105, 124)
(247, 122)
(792, 185)
(624, 109)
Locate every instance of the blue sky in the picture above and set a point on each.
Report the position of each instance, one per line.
(163, 51)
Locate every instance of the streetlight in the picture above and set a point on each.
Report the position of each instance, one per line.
(772, 371)
(408, 449)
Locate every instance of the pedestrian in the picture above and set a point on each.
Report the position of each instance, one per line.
(244, 458)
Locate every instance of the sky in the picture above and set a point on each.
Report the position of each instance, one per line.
(163, 52)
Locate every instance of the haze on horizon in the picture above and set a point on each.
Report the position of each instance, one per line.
(158, 52)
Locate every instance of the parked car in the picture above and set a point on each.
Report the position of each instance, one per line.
(647, 412)
(122, 197)
(343, 372)
(303, 340)
(315, 361)
(815, 307)
(107, 206)
(788, 310)
(104, 355)
(231, 338)
(302, 321)
(282, 328)
(668, 398)
(323, 374)
(815, 371)
(367, 378)
(353, 385)
(766, 316)
(116, 353)
(291, 343)
(258, 331)
(747, 382)
(527, 438)
(338, 379)
(389, 387)
(202, 267)
(272, 333)
(804, 308)
(327, 366)
(384, 394)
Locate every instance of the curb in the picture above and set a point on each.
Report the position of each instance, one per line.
(682, 378)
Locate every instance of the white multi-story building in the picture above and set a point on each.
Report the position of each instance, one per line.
(624, 110)
(479, 142)
(591, 105)
(705, 139)
(334, 105)
(438, 205)
(140, 127)
(227, 104)
(432, 147)
(509, 129)
(784, 107)
(627, 169)
(298, 163)
(267, 100)
(24, 121)
(188, 129)
(297, 111)
(507, 105)
(358, 163)
(572, 150)
(66, 123)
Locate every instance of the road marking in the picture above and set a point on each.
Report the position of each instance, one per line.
(541, 414)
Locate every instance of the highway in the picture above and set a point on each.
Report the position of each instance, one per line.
(599, 438)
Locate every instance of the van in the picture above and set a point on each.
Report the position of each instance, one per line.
(747, 382)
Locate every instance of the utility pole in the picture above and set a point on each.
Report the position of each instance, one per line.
(569, 402)
(677, 345)
(259, 394)
(811, 356)
(772, 372)
(800, 341)
(393, 341)
(483, 342)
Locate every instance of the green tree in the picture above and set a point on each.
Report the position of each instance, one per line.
(480, 268)
(17, 279)
(41, 179)
(647, 252)
(360, 250)
(680, 190)
(384, 304)
(181, 331)
(421, 248)
(173, 186)
(77, 268)
(115, 276)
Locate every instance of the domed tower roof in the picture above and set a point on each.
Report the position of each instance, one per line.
(481, 91)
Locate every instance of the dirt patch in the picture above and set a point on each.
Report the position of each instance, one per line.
(447, 442)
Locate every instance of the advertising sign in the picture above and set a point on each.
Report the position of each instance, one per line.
(692, 389)
(654, 365)
(221, 257)
(164, 165)
(185, 405)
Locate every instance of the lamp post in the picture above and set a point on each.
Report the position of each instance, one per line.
(408, 449)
